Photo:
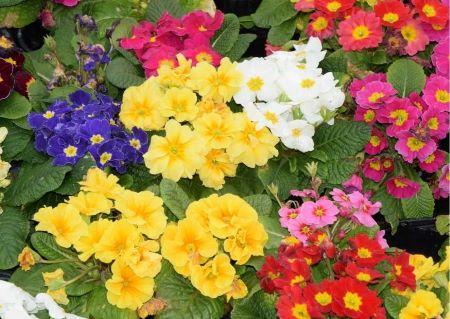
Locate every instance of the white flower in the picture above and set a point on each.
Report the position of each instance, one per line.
(311, 53)
(267, 114)
(260, 77)
(298, 135)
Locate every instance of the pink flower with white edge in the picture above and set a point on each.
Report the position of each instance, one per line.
(436, 92)
(320, 213)
(440, 57)
(367, 116)
(341, 197)
(377, 143)
(364, 209)
(417, 101)
(416, 39)
(401, 114)
(200, 22)
(402, 187)
(358, 85)
(306, 193)
(353, 183)
(410, 146)
(433, 162)
(375, 94)
(381, 240)
(373, 169)
(435, 123)
(300, 230)
(287, 215)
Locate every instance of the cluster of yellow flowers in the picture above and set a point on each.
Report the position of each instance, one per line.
(127, 240)
(192, 245)
(202, 134)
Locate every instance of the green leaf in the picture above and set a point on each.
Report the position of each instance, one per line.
(106, 12)
(379, 57)
(341, 140)
(21, 14)
(14, 227)
(261, 203)
(259, 305)
(7, 3)
(240, 46)
(121, 73)
(33, 181)
(141, 176)
(335, 62)
(406, 76)
(70, 184)
(191, 5)
(394, 303)
(47, 247)
(37, 93)
(156, 8)
(337, 171)
(30, 155)
(280, 34)
(442, 223)
(182, 299)
(174, 197)
(420, 205)
(16, 140)
(227, 35)
(245, 183)
(123, 30)
(279, 175)
(14, 107)
(64, 48)
(273, 12)
(391, 207)
(100, 308)
(274, 230)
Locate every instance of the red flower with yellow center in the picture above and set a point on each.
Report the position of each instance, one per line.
(320, 25)
(361, 31)
(365, 275)
(333, 7)
(321, 294)
(270, 270)
(366, 252)
(293, 304)
(297, 274)
(402, 272)
(392, 13)
(432, 11)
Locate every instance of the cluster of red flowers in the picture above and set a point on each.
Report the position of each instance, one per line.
(346, 288)
(12, 75)
(158, 44)
(409, 28)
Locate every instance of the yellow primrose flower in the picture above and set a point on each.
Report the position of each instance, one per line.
(97, 181)
(251, 146)
(207, 106)
(238, 289)
(143, 259)
(247, 240)
(55, 282)
(87, 245)
(424, 269)
(198, 211)
(126, 289)
(91, 203)
(186, 244)
(219, 84)
(117, 240)
(145, 210)
(217, 131)
(423, 304)
(229, 212)
(64, 222)
(180, 103)
(179, 154)
(175, 77)
(141, 106)
(26, 259)
(216, 167)
(215, 278)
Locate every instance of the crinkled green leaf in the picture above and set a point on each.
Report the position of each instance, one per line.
(259, 305)
(420, 205)
(47, 247)
(240, 46)
(227, 35)
(277, 173)
(121, 73)
(273, 12)
(156, 8)
(174, 197)
(20, 14)
(280, 34)
(261, 203)
(391, 207)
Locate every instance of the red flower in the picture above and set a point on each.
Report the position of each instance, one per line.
(403, 272)
(392, 13)
(321, 26)
(333, 7)
(23, 82)
(373, 169)
(366, 275)
(361, 31)
(297, 274)
(432, 11)
(270, 270)
(199, 22)
(352, 299)
(294, 305)
(402, 187)
(377, 143)
(388, 164)
(366, 252)
(321, 294)
(6, 79)
(310, 254)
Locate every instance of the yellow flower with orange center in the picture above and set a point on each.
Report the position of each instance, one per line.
(180, 103)
(26, 259)
(218, 131)
(97, 181)
(217, 166)
(87, 245)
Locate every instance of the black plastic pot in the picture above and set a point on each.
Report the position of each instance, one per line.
(28, 38)
(238, 7)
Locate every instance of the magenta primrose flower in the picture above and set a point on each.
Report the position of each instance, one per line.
(436, 92)
(375, 95)
(402, 187)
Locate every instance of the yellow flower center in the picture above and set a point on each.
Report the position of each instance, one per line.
(1, 79)
(409, 33)
(293, 215)
(70, 151)
(204, 57)
(334, 6)
(10, 61)
(300, 311)
(307, 83)
(364, 253)
(319, 212)
(96, 139)
(375, 165)
(399, 183)
(400, 116)
(362, 276)
(167, 62)
(390, 17)
(296, 132)
(255, 83)
(202, 28)
(297, 280)
(5, 43)
(323, 298)
(429, 11)
(433, 123)
(375, 96)
(320, 24)
(352, 301)
(398, 270)
(135, 143)
(437, 27)
(48, 115)
(414, 144)
(152, 39)
(105, 158)
(369, 116)
(442, 96)
(361, 32)
(305, 230)
(272, 117)
(375, 140)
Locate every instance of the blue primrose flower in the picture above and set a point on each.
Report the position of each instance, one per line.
(111, 154)
(66, 149)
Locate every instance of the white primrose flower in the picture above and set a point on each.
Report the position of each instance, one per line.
(267, 115)
(298, 135)
(310, 54)
(259, 82)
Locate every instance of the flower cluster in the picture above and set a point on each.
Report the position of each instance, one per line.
(4, 166)
(112, 225)
(158, 44)
(415, 124)
(202, 134)
(287, 93)
(192, 245)
(13, 76)
(67, 131)
(403, 28)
